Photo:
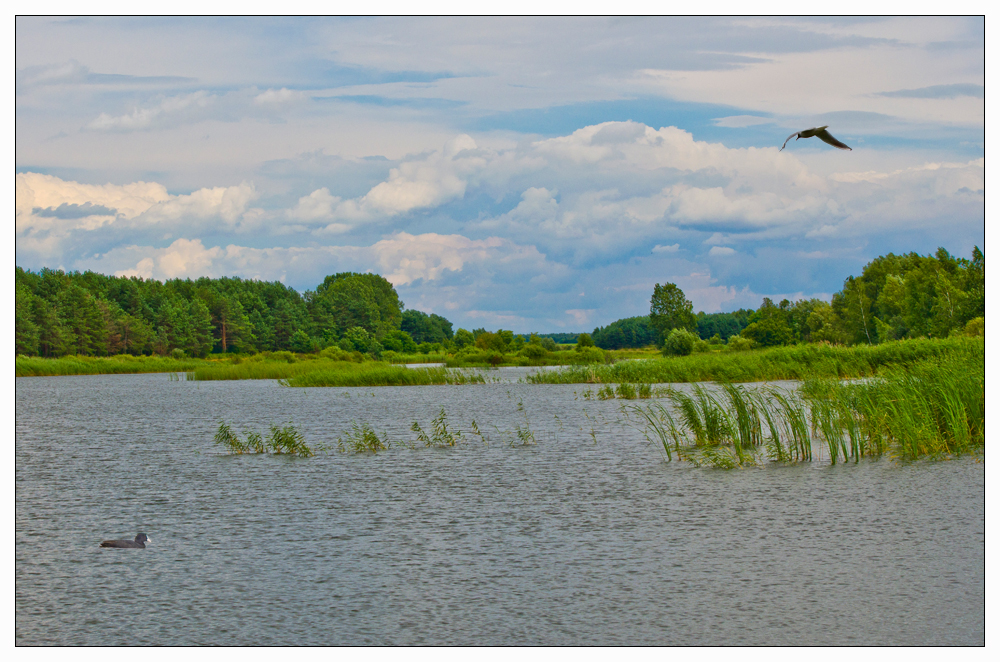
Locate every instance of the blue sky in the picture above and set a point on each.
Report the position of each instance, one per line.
(524, 173)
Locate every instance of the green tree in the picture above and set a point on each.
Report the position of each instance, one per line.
(25, 330)
(463, 338)
(669, 309)
(86, 329)
(136, 335)
(301, 342)
(346, 300)
(769, 326)
(199, 340)
(425, 328)
(679, 342)
(491, 341)
(230, 324)
(398, 340)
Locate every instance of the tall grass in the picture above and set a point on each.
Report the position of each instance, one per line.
(362, 439)
(382, 374)
(933, 408)
(123, 364)
(780, 363)
(286, 440)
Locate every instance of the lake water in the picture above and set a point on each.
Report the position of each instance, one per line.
(586, 536)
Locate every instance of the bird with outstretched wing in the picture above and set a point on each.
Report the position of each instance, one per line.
(819, 132)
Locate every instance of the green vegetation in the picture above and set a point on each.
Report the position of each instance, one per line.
(440, 436)
(89, 314)
(934, 408)
(896, 297)
(795, 362)
(352, 331)
(380, 374)
(629, 332)
(362, 439)
(34, 366)
(669, 309)
(280, 441)
(424, 328)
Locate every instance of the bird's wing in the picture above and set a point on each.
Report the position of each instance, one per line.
(787, 139)
(825, 136)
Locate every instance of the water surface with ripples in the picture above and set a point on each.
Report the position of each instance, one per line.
(587, 536)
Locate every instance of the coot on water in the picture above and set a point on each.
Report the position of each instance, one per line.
(139, 542)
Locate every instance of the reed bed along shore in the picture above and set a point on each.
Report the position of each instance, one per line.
(933, 408)
(797, 362)
(125, 364)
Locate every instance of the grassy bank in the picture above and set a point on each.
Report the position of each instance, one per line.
(795, 362)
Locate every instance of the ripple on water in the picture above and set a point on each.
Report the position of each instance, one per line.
(585, 537)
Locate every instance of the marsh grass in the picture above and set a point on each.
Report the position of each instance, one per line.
(441, 436)
(626, 391)
(362, 439)
(933, 408)
(124, 364)
(383, 374)
(797, 362)
(286, 440)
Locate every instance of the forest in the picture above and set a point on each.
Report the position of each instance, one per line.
(895, 297)
(89, 314)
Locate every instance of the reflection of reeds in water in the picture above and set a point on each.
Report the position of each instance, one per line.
(933, 409)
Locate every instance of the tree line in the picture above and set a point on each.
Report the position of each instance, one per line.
(57, 313)
(895, 297)
(91, 314)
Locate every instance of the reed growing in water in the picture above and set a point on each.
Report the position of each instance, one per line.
(362, 439)
(382, 374)
(779, 363)
(440, 436)
(933, 408)
(286, 440)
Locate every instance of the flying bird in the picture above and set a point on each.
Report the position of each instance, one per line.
(821, 133)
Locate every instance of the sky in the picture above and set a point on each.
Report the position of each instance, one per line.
(532, 174)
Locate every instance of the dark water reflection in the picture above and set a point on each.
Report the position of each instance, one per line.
(586, 537)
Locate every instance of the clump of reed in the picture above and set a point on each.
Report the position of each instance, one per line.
(935, 408)
(362, 439)
(440, 436)
(728, 428)
(286, 440)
